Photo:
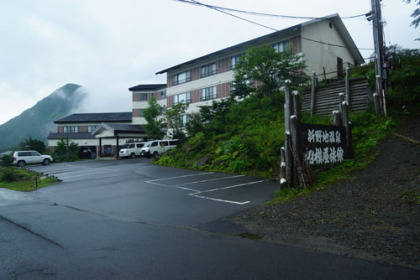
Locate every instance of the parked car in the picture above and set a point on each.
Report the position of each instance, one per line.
(158, 147)
(132, 150)
(22, 158)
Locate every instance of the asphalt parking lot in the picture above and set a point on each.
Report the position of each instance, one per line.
(138, 190)
(130, 219)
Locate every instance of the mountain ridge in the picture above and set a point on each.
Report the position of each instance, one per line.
(38, 121)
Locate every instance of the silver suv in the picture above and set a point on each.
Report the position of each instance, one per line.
(22, 158)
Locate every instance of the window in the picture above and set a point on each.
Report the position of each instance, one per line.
(163, 94)
(91, 128)
(234, 60)
(182, 121)
(182, 97)
(185, 119)
(143, 96)
(281, 46)
(181, 78)
(71, 129)
(208, 70)
(209, 93)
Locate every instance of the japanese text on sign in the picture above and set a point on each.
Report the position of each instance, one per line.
(323, 136)
(323, 144)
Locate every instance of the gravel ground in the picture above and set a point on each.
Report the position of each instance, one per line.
(373, 215)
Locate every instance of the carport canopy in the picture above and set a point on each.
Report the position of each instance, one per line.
(117, 131)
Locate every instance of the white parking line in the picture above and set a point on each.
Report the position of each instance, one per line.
(197, 193)
(209, 180)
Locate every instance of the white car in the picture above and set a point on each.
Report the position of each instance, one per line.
(22, 158)
(132, 150)
(158, 147)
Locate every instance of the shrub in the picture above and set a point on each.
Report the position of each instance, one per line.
(6, 160)
(8, 175)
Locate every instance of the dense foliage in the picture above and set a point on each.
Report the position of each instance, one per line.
(234, 136)
(32, 144)
(66, 150)
(404, 76)
(264, 71)
(155, 123)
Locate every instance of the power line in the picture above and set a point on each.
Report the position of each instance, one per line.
(192, 2)
(224, 11)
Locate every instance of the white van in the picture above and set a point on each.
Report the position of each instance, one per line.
(132, 150)
(158, 147)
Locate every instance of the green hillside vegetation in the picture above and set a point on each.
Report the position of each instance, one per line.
(245, 137)
(37, 122)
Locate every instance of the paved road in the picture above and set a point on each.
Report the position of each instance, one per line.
(128, 219)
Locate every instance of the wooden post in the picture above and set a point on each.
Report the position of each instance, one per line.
(302, 176)
(288, 106)
(379, 92)
(376, 104)
(347, 127)
(296, 104)
(336, 118)
(294, 134)
(313, 91)
(341, 98)
(288, 159)
(347, 87)
(282, 168)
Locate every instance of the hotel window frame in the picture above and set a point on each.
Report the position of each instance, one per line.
(185, 100)
(181, 78)
(282, 46)
(209, 93)
(208, 70)
(234, 60)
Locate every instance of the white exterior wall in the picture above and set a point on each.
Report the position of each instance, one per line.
(90, 142)
(319, 55)
(80, 142)
(214, 80)
(144, 105)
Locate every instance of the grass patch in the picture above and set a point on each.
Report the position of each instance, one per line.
(24, 180)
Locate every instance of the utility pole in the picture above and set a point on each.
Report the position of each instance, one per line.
(380, 67)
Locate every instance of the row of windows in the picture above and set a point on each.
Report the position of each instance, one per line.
(145, 96)
(210, 69)
(75, 129)
(206, 94)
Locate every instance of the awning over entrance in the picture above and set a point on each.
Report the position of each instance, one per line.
(117, 131)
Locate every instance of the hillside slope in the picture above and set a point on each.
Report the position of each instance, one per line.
(373, 215)
(37, 121)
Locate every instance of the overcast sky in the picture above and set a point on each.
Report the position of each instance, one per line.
(108, 46)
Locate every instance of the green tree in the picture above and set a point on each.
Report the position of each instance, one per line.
(415, 14)
(66, 150)
(404, 75)
(32, 144)
(264, 71)
(155, 123)
(175, 115)
(403, 81)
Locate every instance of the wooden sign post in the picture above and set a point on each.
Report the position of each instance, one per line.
(308, 144)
